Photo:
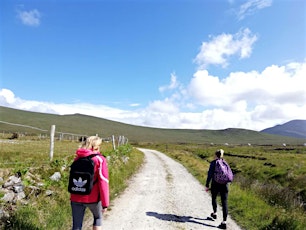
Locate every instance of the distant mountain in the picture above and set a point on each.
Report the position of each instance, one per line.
(294, 128)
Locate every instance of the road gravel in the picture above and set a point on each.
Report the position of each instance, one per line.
(163, 195)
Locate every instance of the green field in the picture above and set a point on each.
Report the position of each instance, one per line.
(30, 158)
(268, 192)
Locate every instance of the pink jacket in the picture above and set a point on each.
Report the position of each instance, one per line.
(100, 190)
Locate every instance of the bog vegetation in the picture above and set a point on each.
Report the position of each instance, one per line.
(268, 192)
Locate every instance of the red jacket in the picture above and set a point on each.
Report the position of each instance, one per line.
(100, 190)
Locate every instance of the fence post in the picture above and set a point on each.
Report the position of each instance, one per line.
(52, 132)
(119, 141)
(114, 144)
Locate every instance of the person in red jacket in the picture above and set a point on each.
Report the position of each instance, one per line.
(98, 200)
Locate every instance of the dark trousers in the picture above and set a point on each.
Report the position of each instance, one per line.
(223, 190)
(78, 211)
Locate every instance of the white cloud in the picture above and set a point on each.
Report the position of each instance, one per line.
(167, 106)
(173, 84)
(207, 90)
(29, 18)
(276, 94)
(251, 100)
(134, 104)
(222, 47)
(7, 97)
(251, 7)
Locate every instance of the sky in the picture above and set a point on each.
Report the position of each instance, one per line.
(182, 64)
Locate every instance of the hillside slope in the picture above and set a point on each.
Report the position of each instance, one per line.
(89, 125)
(294, 128)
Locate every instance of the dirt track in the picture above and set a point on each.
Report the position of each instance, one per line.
(162, 196)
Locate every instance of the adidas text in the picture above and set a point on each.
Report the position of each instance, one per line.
(78, 189)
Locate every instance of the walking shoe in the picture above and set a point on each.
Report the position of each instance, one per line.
(213, 215)
(222, 225)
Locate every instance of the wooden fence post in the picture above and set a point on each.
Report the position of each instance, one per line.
(119, 141)
(114, 144)
(52, 132)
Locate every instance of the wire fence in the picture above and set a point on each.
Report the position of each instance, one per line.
(43, 134)
(53, 135)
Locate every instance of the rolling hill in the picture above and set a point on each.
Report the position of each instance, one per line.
(33, 122)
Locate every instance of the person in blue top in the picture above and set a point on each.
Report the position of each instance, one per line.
(217, 188)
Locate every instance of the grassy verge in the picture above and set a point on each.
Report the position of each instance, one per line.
(267, 193)
(30, 158)
(259, 197)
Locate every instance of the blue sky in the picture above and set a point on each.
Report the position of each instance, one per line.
(197, 64)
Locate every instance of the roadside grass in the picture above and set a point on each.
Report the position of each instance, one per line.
(30, 158)
(123, 163)
(268, 191)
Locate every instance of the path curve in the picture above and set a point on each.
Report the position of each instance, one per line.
(163, 195)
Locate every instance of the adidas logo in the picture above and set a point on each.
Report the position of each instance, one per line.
(79, 183)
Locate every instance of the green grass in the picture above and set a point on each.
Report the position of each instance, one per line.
(268, 182)
(31, 159)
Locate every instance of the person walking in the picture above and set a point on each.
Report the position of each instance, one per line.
(98, 199)
(219, 186)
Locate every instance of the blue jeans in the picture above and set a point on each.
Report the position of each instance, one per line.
(78, 211)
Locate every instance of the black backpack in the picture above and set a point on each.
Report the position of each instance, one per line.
(81, 178)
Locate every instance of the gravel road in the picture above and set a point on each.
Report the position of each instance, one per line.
(163, 195)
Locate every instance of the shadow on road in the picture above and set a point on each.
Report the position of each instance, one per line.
(176, 218)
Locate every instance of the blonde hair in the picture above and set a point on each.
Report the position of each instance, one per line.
(219, 153)
(93, 143)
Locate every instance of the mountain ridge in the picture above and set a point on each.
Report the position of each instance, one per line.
(293, 128)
